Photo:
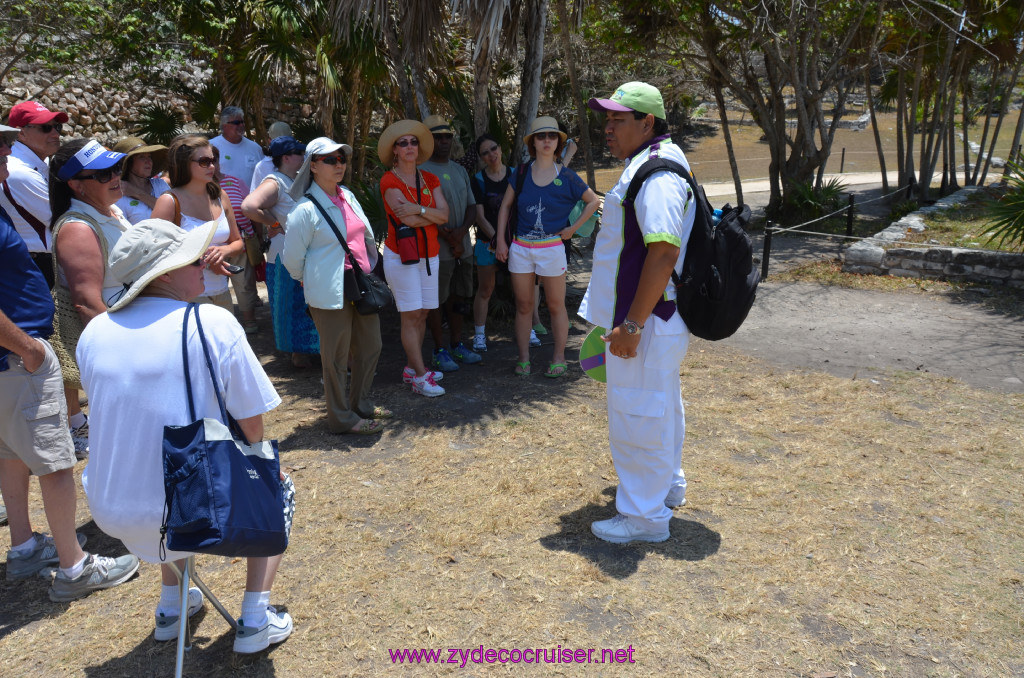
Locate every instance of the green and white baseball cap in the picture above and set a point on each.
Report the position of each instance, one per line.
(633, 96)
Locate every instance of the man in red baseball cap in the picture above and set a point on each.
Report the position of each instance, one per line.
(25, 195)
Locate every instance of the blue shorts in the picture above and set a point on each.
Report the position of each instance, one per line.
(482, 255)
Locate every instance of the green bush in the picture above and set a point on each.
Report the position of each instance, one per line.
(1008, 211)
(159, 124)
(804, 201)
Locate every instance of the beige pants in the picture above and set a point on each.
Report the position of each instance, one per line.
(244, 283)
(344, 332)
(223, 300)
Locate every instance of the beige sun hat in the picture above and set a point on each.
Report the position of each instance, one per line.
(318, 146)
(545, 123)
(132, 146)
(438, 125)
(151, 248)
(397, 130)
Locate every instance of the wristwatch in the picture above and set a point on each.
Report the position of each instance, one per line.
(423, 210)
(631, 327)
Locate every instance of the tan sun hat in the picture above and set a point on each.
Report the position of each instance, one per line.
(438, 125)
(545, 123)
(397, 130)
(131, 146)
(151, 248)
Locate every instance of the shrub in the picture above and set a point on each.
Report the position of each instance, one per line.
(159, 124)
(1008, 211)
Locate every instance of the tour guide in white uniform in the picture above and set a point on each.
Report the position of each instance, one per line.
(631, 293)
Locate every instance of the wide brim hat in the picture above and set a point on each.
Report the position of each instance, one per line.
(92, 156)
(151, 248)
(318, 146)
(132, 146)
(545, 123)
(9, 133)
(632, 96)
(397, 130)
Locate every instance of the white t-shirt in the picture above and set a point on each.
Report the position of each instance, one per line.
(262, 170)
(29, 186)
(134, 209)
(238, 160)
(132, 368)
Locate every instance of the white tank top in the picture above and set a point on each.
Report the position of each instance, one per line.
(215, 283)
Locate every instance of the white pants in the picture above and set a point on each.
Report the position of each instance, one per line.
(646, 422)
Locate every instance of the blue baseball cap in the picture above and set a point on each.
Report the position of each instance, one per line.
(285, 144)
(92, 156)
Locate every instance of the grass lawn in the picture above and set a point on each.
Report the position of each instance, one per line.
(964, 225)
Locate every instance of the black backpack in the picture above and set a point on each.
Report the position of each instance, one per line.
(719, 281)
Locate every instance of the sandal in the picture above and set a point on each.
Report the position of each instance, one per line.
(523, 369)
(556, 370)
(366, 427)
(381, 412)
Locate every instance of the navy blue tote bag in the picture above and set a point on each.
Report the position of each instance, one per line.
(223, 495)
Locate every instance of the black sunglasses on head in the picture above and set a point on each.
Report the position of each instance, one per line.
(104, 176)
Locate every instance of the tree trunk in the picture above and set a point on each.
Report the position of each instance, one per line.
(398, 70)
(421, 91)
(967, 145)
(984, 128)
(723, 114)
(1015, 144)
(535, 20)
(901, 104)
(1007, 95)
(481, 77)
(577, 95)
(874, 129)
(915, 94)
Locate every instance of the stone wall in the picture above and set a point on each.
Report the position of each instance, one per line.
(878, 255)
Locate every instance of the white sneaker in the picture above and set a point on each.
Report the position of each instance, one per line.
(622, 530)
(676, 496)
(479, 342)
(426, 385)
(534, 339)
(167, 625)
(408, 374)
(277, 628)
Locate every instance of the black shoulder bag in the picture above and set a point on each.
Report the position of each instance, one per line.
(366, 291)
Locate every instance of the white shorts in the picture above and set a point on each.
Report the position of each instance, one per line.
(544, 260)
(412, 287)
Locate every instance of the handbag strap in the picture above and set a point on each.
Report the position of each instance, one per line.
(334, 227)
(194, 308)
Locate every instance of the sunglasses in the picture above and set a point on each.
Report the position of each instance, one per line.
(333, 160)
(547, 135)
(407, 142)
(205, 162)
(235, 122)
(48, 127)
(103, 176)
(197, 262)
(487, 151)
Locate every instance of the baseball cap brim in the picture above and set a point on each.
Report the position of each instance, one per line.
(608, 105)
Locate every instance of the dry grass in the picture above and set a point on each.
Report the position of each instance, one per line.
(835, 527)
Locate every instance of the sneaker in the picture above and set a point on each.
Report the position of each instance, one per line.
(676, 496)
(479, 342)
(80, 437)
(408, 374)
(249, 639)
(464, 355)
(167, 624)
(99, 573)
(426, 385)
(43, 555)
(540, 329)
(621, 530)
(534, 339)
(443, 360)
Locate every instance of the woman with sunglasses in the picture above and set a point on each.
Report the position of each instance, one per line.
(489, 185)
(85, 184)
(548, 196)
(326, 211)
(196, 198)
(140, 179)
(415, 205)
(269, 204)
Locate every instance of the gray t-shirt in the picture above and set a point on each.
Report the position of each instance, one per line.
(459, 195)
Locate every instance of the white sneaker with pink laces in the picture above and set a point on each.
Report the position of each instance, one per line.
(426, 385)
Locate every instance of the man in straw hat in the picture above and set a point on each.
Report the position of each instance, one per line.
(130, 363)
(39, 444)
(631, 294)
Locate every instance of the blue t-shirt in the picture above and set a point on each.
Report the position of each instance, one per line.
(545, 211)
(24, 297)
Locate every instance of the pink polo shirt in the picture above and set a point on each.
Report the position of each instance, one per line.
(356, 230)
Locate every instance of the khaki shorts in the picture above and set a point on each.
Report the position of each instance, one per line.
(34, 415)
(455, 279)
(223, 300)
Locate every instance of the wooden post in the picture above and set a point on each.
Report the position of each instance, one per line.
(842, 160)
(849, 217)
(767, 250)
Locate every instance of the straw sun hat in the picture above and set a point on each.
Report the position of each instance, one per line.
(132, 146)
(397, 130)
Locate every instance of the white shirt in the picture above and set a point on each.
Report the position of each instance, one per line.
(134, 209)
(132, 367)
(111, 228)
(664, 211)
(28, 185)
(238, 160)
(263, 169)
(284, 205)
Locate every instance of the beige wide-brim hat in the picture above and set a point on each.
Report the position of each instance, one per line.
(151, 248)
(318, 146)
(397, 130)
(545, 123)
(132, 146)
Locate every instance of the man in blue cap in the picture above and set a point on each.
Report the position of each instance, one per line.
(632, 295)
